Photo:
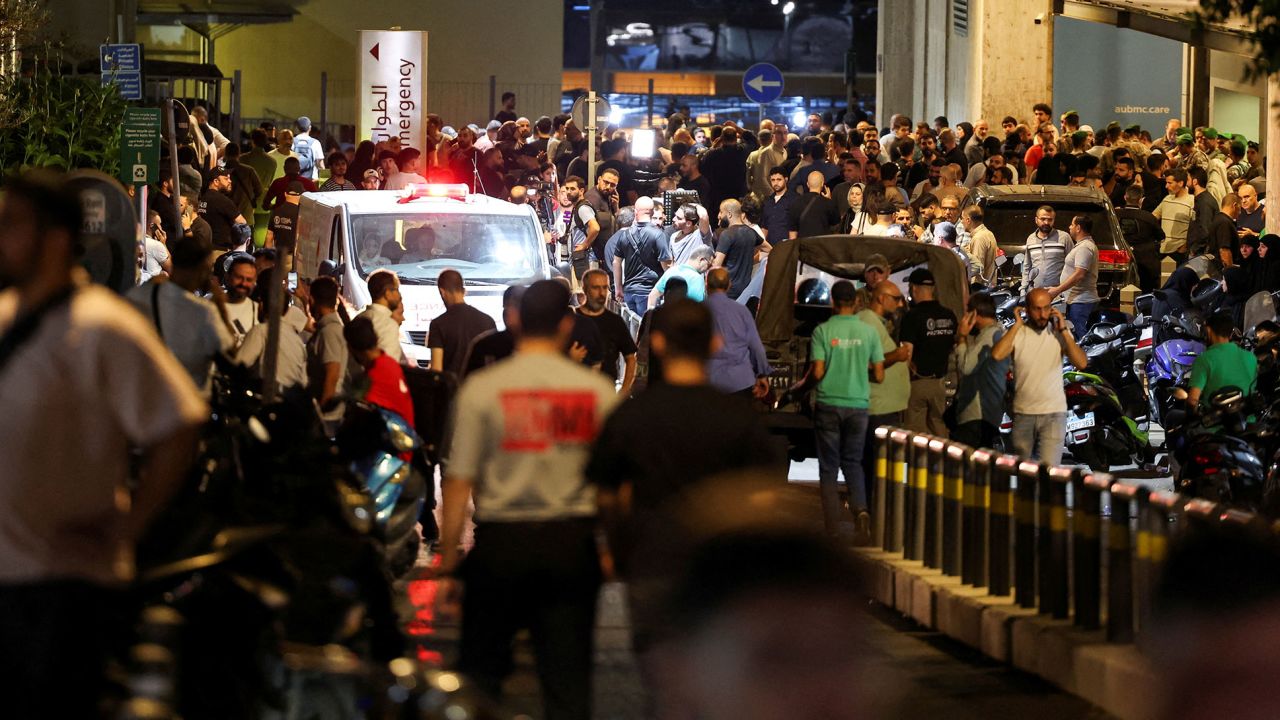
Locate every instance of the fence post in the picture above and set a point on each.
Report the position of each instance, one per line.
(493, 96)
(1126, 501)
(919, 469)
(955, 478)
(1153, 523)
(1001, 545)
(1086, 525)
(648, 118)
(933, 508)
(1024, 535)
(900, 481)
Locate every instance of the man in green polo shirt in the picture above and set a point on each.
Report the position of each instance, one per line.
(1223, 364)
(845, 354)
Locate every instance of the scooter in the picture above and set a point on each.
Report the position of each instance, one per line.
(1169, 366)
(1099, 432)
(1216, 460)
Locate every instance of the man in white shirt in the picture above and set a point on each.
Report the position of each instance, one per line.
(84, 382)
(316, 149)
(408, 162)
(385, 298)
(190, 326)
(1038, 343)
(291, 352)
(240, 277)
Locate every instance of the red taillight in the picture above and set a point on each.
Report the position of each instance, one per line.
(1113, 257)
(1145, 342)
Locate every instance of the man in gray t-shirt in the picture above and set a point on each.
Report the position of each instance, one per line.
(1046, 250)
(1080, 276)
(522, 434)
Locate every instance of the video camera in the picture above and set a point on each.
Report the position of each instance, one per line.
(672, 200)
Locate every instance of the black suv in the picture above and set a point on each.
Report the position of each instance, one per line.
(1009, 211)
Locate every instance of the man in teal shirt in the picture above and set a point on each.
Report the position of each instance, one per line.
(845, 357)
(1223, 364)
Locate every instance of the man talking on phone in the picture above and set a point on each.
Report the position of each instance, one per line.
(1038, 341)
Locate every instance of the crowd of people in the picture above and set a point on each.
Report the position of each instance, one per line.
(589, 410)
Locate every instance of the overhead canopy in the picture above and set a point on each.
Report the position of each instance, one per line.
(1166, 18)
(211, 13)
(845, 256)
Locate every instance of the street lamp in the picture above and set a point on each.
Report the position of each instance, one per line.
(788, 8)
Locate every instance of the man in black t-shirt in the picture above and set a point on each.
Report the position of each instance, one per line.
(282, 227)
(615, 338)
(736, 247)
(494, 345)
(725, 169)
(451, 333)
(641, 253)
(931, 330)
(814, 212)
(220, 212)
(1143, 232)
(691, 177)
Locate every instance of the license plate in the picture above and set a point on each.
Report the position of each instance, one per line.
(1079, 423)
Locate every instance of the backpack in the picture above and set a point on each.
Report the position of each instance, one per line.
(306, 158)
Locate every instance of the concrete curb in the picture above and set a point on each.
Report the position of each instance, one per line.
(1116, 678)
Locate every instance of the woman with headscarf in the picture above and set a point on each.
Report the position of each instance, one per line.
(855, 219)
(1175, 296)
(1237, 289)
(1269, 258)
(1250, 262)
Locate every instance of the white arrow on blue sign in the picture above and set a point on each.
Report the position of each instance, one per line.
(762, 83)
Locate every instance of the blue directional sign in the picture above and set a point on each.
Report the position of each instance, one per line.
(130, 84)
(762, 83)
(120, 58)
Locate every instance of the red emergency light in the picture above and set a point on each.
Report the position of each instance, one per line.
(416, 191)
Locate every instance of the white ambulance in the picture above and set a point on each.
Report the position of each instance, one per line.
(417, 233)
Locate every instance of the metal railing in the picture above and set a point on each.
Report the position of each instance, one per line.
(1071, 543)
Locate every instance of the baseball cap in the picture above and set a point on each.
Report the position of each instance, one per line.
(449, 132)
(218, 172)
(921, 276)
(294, 188)
(493, 125)
(1211, 133)
(1133, 129)
(370, 173)
(876, 261)
(474, 128)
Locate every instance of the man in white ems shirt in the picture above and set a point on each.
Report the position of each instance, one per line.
(1038, 343)
(523, 430)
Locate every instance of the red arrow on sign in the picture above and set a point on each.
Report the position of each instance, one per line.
(374, 51)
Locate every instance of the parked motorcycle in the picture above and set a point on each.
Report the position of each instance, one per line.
(1099, 432)
(1216, 460)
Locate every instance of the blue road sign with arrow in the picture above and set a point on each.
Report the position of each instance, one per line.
(762, 83)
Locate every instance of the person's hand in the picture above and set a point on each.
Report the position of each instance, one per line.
(159, 234)
(761, 389)
(1137, 180)
(909, 348)
(577, 352)
(1019, 317)
(618, 296)
(967, 321)
(1059, 322)
(449, 600)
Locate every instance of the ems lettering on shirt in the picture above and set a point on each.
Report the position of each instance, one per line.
(535, 420)
(939, 326)
(846, 342)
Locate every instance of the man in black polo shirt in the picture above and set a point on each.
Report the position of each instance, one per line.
(931, 330)
(451, 333)
(220, 212)
(282, 227)
(641, 254)
(615, 338)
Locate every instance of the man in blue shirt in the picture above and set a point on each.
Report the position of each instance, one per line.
(739, 365)
(845, 356)
(775, 210)
(691, 271)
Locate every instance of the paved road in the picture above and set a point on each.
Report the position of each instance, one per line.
(933, 675)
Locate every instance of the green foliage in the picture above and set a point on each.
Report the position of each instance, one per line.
(49, 118)
(1263, 20)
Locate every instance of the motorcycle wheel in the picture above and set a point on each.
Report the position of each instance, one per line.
(1092, 454)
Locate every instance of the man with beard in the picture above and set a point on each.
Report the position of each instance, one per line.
(385, 299)
(615, 336)
(1037, 341)
(240, 277)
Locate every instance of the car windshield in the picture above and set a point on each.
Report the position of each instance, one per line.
(488, 249)
(1011, 223)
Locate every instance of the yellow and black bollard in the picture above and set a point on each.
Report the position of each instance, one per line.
(1002, 524)
(1024, 534)
(1086, 527)
(955, 468)
(1055, 573)
(880, 518)
(977, 508)
(913, 549)
(1122, 530)
(899, 481)
(933, 504)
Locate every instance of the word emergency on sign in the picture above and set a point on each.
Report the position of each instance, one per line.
(393, 84)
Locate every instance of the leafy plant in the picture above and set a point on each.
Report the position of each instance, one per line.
(1263, 21)
(50, 118)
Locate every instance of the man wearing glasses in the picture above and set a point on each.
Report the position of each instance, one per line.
(888, 398)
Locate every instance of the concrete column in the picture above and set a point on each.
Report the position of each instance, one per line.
(1271, 148)
(1198, 79)
(1011, 57)
(896, 69)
